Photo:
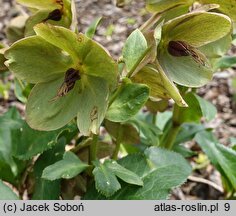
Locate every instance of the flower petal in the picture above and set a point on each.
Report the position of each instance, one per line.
(93, 105)
(88, 100)
(90, 57)
(198, 28)
(42, 113)
(185, 70)
(41, 4)
(35, 60)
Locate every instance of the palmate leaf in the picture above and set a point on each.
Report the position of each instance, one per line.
(106, 177)
(160, 171)
(226, 62)
(209, 111)
(123, 173)
(105, 181)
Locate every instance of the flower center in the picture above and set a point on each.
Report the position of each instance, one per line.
(71, 76)
(181, 48)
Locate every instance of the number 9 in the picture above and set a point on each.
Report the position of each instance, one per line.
(227, 206)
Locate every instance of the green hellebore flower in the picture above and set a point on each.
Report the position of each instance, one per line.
(55, 12)
(73, 77)
(155, 78)
(180, 51)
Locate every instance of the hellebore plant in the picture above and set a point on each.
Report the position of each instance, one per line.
(124, 128)
(45, 60)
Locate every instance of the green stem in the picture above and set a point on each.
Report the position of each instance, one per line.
(118, 143)
(125, 80)
(150, 22)
(93, 149)
(85, 143)
(138, 62)
(176, 115)
(172, 134)
(113, 97)
(154, 118)
(21, 84)
(174, 130)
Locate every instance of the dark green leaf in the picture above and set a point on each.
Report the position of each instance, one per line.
(123, 173)
(105, 180)
(209, 111)
(45, 189)
(193, 112)
(8, 122)
(160, 170)
(184, 151)
(67, 168)
(149, 133)
(223, 158)
(226, 62)
(29, 142)
(187, 132)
